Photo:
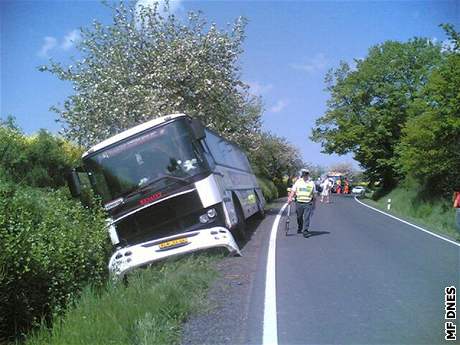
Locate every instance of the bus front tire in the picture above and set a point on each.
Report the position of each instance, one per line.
(261, 212)
(239, 231)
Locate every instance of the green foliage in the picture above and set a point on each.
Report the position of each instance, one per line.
(269, 189)
(368, 104)
(453, 37)
(51, 248)
(40, 160)
(145, 65)
(275, 158)
(430, 147)
(10, 122)
(148, 310)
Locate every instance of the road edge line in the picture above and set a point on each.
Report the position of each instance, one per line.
(406, 222)
(270, 322)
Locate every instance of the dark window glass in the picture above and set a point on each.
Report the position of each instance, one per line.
(226, 153)
(164, 151)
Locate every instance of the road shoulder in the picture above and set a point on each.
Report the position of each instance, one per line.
(226, 318)
(415, 223)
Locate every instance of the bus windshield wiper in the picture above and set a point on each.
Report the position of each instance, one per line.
(147, 186)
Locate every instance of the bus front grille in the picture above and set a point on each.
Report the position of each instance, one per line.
(163, 219)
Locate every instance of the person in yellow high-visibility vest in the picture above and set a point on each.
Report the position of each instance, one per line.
(304, 190)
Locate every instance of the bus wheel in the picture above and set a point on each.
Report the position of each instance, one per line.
(261, 212)
(239, 231)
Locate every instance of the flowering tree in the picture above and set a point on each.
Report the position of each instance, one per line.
(275, 158)
(145, 65)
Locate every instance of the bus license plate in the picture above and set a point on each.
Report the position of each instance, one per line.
(173, 243)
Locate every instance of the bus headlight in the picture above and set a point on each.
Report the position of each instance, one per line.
(208, 216)
(204, 218)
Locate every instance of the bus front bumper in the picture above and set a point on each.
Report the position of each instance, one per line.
(129, 258)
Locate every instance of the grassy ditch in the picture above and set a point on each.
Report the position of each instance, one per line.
(437, 215)
(149, 309)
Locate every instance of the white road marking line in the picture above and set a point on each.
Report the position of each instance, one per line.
(413, 225)
(270, 328)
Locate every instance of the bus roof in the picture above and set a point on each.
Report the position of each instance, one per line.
(132, 131)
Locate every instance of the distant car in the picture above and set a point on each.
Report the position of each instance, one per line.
(358, 190)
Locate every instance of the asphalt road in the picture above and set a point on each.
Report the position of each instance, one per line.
(362, 278)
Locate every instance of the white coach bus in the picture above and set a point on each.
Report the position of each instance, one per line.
(170, 186)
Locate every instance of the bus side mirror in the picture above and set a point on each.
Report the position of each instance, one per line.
(74, 183)
(289, 189)
(198, 129)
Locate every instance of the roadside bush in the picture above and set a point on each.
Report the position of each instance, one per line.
(269, 189)
(51, 248)
(41, 160)
(281, 187)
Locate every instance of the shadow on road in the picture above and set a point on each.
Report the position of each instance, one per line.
(312, 233)
(318, 233)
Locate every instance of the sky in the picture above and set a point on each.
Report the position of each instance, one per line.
(289, 47)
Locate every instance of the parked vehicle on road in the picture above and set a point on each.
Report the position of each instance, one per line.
(171, 186)
(358, 190)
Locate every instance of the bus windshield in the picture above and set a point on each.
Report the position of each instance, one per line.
(166, 154)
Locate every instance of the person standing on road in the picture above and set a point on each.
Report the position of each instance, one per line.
(346, 188)
(338, 189)
(318, 185)
(326, 190)
(304, 190)
(457, 208)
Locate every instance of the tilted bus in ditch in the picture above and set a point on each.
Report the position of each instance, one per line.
(170, 186)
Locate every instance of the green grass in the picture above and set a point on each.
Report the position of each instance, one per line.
(437, 216)
(149, 309)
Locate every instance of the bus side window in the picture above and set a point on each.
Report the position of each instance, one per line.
(207, 155)
(234, 158)
(212, 143)
(224, 149)
(226, 153)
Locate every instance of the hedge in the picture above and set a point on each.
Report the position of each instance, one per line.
(41, 160)
(52, 247)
